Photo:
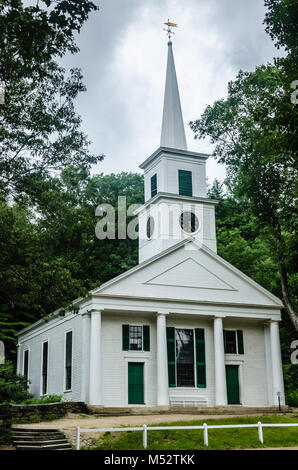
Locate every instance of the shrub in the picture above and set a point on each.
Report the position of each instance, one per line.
(292, 398)
(13, 387)
(43, 400)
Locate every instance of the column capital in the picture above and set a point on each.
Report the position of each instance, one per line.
(219, 315)
(162, 312)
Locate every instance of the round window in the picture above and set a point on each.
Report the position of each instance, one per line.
(189, 222)
(150, 227)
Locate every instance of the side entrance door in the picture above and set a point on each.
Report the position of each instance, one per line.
(136, 383)
(232, 377)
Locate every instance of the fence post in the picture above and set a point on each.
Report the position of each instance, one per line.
(78, 444)
(205, 434)
(260, 431)
(145, 436)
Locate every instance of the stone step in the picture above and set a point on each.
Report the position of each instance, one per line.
(38, 436)
(45, 447)
(36, 430)
(40, 443)
(40, 439)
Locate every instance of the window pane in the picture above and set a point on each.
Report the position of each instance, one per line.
(231, 347)
(185, 358)
(135, 338)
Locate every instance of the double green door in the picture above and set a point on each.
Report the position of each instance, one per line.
(232, 377)
(136, 383)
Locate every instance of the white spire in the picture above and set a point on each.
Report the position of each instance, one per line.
(172, 132)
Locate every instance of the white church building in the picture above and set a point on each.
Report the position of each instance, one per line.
(182, 328)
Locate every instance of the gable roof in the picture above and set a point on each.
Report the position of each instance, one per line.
(190, 272)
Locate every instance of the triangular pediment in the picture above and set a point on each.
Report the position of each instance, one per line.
(188, 272)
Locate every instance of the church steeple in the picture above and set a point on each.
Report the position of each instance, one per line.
(176, 204)
(172, 132)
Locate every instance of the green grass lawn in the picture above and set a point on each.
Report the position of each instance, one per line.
(218, 438)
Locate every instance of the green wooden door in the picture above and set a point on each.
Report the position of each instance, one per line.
(136, 383)
(232, 385)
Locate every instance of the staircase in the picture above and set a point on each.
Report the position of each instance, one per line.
(40, 439)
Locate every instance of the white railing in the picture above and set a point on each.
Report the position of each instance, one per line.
(204, 427)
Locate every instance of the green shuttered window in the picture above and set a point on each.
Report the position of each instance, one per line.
(153, 185)
(135, 338)
(200, 357)
(185, 182)
(171, 356)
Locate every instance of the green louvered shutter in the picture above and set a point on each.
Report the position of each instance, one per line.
(171, 356)
(240, 342)
(146, 338)
(125, 337)
(153, 185)
(225, 340)
(200, 357)
(185, 183)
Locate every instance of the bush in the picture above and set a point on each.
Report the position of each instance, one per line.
(292, 398)
(13, 387)
(43, 400)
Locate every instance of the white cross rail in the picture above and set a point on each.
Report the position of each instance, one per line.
(204, 427)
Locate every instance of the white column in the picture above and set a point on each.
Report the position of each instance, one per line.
(219, 364)
(162, 361)
(85, 358)
(277, 376)
(95, 378)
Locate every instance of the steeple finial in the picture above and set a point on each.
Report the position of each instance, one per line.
(169, 30)
(172, 131)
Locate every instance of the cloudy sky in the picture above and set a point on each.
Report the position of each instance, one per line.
(123, 52)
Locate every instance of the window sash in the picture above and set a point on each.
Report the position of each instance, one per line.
(185, 371)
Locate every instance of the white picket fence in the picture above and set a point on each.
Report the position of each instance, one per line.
(204, 427)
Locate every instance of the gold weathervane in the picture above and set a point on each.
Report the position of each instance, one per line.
(170, 26)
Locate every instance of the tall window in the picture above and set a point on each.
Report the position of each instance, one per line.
(185, 358)
(26, 364)
(44, 377)
(68, 360)
(185, 182)
(153, 185)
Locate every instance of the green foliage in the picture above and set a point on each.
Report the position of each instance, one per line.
(13, 387)
(31, 36)
(40, 131)
(281, 22)
(43, 400)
